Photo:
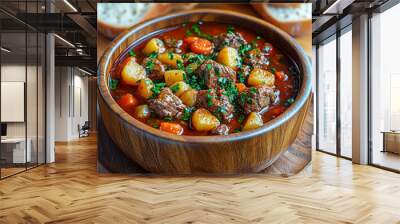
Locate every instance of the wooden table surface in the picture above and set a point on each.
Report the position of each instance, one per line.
(304, 40)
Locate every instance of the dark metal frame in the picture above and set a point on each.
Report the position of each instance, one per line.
(36, 164)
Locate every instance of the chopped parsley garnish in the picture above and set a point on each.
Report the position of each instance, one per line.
(289, 102)
(212, 56)
(198, 58)
(222, 81)
(180, 65)
(241, 77)
(196, 29)
(237, 130)
(217, 72)
(195, 82)
(209, 66)
(230, 29)
(273, 70)
(157, 88)
(209, 98)
(258, 38)
(132, 53)
(187, 113)
(113, 84)
(253, 90)
(167, 119)
(241, 118)
(149, 65)
(190, 68)
(222, 110)
(243, 98)
(244, 48)
(189, 33)
(153, 55)
(170, 55)
(175, 88)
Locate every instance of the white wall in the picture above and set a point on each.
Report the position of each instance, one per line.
(71, 94)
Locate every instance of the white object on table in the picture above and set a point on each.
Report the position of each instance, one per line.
(19, 155)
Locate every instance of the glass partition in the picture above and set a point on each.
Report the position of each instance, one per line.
(13, 95)
(327, 97)
(346, 94)
(385, 89)
(22, 77)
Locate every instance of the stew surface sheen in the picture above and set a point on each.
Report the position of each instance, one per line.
(204, 79)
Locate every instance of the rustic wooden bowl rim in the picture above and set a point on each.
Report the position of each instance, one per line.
(304, 66)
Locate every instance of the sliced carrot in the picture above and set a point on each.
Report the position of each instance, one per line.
(201, 46)
(128, 102)
(280, 76)
(171, 128)
(191, 39)
(240, 87)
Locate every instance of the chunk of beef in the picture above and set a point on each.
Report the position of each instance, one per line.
(254, 99)
(222, 129)
(167, 104)
(217, 103)
(174, 44)
(230, 39)
(211, 71)
(155, 69)
(256, 59)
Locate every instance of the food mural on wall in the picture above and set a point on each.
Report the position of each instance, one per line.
(199, 78)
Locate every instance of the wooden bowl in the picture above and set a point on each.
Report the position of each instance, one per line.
(243, 152)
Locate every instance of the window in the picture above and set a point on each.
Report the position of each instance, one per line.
(346, 94)
(327, 97)
(385, 88)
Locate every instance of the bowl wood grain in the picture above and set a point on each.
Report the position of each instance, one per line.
(160, 152)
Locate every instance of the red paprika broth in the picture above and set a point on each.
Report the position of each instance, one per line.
(285, 72)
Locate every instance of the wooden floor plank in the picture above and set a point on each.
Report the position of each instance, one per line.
(71, 191)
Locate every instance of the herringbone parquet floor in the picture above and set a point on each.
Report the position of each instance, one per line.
(70, 191)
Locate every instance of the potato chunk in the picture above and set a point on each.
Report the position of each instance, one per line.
(189, 97)
(253, 121)
(204, 120)
(170, 59)
(228, 56)
(173, 76)
(154, 45)
(142, 112)
(132, 73)
(260, 76)
(179, 88)
(144, 88)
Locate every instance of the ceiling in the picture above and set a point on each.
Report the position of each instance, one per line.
(72, 20)
(332, 15)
